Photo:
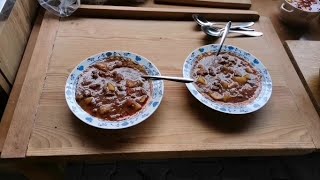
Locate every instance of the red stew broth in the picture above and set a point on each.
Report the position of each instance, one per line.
(226, 78)
(113, 89)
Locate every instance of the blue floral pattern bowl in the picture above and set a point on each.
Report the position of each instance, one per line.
(230, 108)
(148, 110)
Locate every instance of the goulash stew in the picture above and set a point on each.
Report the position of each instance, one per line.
(226, 78)
(113, 89)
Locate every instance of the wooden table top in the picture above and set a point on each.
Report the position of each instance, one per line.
(305, 55)
(292, 134)
(284, 126)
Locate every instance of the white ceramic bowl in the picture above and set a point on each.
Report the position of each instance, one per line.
(295, 16)
(153, 104)
(230, 108)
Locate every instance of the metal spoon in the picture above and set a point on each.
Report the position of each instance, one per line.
(204, 22)
(211, 31)
(224, 36)
(169, 78)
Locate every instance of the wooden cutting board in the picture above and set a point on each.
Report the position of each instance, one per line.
(236, 4)
(306, 58)
(42, 124)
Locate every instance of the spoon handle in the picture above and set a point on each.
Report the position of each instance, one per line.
(245, 29)
(169, 78)
(248, 33)
(225, 33)
(243, 26)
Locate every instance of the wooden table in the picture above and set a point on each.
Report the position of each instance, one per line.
(297, 133)
(305, 56)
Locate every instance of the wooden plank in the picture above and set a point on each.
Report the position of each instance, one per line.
(14, 34)
(14, 95)
(303, 101)
(283, 126)
(165, 13)
(305, 56)
(21, 126)
(236, 4)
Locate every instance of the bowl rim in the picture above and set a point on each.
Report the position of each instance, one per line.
(221, 107)
(140, 120)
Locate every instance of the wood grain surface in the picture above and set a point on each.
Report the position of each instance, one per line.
(16, 89)
(14, 34)
(172, 13)
(23, 118)
(305, 55)
(181, 125)
(236, 4)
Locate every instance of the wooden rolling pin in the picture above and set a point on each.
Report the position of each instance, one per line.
(234, 4)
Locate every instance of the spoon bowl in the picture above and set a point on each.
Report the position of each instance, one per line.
(210, 31)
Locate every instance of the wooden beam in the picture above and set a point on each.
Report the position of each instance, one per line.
(14, 34)
(165, 13)
(234, 4)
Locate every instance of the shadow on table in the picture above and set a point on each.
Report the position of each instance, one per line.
(222, 122)
(112, 139)
(115, 140)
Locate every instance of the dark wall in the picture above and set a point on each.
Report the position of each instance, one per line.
(3, 101)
